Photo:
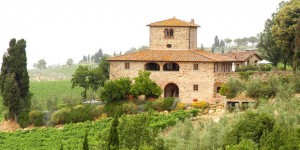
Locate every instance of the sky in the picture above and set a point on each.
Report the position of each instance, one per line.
(56, 30)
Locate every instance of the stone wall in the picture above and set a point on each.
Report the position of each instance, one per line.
(185, 78)
(182, 39)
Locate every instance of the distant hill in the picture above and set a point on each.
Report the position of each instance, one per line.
(55, 73)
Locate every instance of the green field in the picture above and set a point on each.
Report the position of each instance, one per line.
(59, 91)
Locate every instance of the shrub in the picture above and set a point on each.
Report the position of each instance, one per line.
(97, 111)
(23, 119)
(245, 75)
(75, 114)
(265, 67)
(194, 112)
(116, 90)
(168, 103)
(36, 118)
(231, 88)
(129, 108)
(201, 104)
(180, 106)
(250, 126)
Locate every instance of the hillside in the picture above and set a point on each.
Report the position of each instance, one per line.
(55, 73)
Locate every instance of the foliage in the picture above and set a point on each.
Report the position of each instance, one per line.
(284, 29)
(116, 90)
(103, 68)
(113, 137)
(87, 78)
(231, 88)
(85, 145)
(194, 112)
(70, 62)
(251, 126)
(245, 75)
(143, 85)
(75, 114)
(248, 68)
(244, 144)
(14, 80)
(41, 64)
(129, 108)
(200, 104)
(256, 88)
(36, 118)
(267, 46)
(161, 104)
(49, 95)
(23, 119)
(180, 106)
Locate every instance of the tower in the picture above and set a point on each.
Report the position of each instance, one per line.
(173, 34)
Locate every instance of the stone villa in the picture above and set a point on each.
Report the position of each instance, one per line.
(176, 64)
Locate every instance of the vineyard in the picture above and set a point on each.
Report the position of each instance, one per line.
(71, 135)
(55, 91)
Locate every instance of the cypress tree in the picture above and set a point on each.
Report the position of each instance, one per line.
(85, 145)
(14, 79)
(113, 137)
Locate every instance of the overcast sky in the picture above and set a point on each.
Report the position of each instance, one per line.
(56, 30)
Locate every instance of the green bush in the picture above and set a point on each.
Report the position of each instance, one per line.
(246, 68)
(245, 75)
(97, 111)
(168, 103)
(231, 88)
(23, 119)
(75, 114)
(129, 108)
(116, 90)
(161, 104)
(194, 112)
(36, 118)
(265, 67)
(250, 126)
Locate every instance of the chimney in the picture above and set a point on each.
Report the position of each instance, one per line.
(192, 21)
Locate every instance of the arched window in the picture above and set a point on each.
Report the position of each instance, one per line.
(171, 67)
(152, 66)
(171, 32)
(167, 32)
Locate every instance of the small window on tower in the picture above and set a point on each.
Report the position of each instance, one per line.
(166, 33)
(169, 46)
(171, 32)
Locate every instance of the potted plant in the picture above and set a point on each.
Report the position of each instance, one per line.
(195, 100)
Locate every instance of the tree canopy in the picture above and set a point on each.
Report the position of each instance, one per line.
(41, 64)
(14, 79)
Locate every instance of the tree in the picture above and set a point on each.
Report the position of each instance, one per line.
(297, 46)
(284, 28)
(104, 68)
(228, 41)
(85, 145)
(143, 85)
(267, 46)
(70, 62)
(14, 79)
(96, 57)
(245, 41)
(116, 90)
(80, 78)
(217, 42)
(238, 42)
(252, 40)
(113, 137)
(41, 64)
(202, 47)
(222, 45)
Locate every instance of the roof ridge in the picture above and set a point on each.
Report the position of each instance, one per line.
(195, 51)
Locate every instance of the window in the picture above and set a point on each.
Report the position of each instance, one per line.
(152, 66)
(126, 65)
(166, 32)
(195, 66)
(171, 67)
(195, 87)
(169, 33)
(169, 46)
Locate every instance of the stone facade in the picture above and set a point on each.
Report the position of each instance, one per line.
(184, 38)
(185, 78)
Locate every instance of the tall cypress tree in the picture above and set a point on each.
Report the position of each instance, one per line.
(113, 137)
(14, 79)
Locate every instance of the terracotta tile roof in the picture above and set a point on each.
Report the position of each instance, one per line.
(173, 55)
(173, 22)
(242, 56)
